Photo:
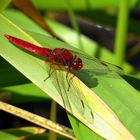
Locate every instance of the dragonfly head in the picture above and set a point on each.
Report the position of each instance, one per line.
(77, 64)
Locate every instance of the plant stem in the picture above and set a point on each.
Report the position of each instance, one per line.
(73, 20)
(121, 32)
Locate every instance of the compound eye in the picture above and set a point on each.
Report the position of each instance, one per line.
(77, 64)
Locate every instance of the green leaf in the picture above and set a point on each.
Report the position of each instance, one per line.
(133, 81)
(35, 69)
(29, 93)
(12, 134)
(3, 4)
(79, 128)
(80, 5)
(8, 74)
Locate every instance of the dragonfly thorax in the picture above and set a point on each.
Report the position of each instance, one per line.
(65, 57)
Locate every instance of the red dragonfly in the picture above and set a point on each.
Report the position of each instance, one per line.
(68, 60)
(57, 56)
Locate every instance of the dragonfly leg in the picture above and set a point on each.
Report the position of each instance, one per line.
(69, 80)
(51, 71)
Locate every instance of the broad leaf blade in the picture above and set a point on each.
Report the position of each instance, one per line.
(35, 70)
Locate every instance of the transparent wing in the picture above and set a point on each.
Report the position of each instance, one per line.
(73, 101)
(98, 67)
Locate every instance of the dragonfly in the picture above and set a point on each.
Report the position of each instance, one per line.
(69, 61)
